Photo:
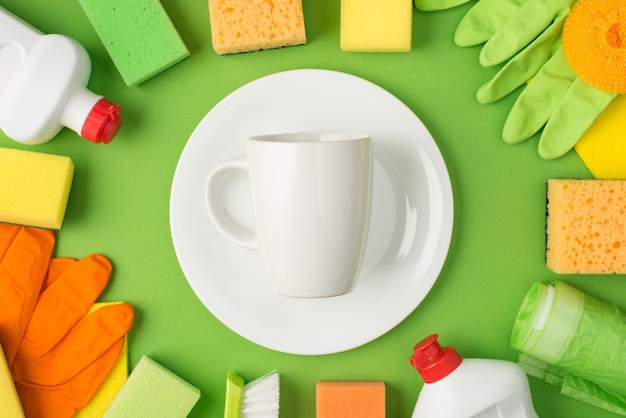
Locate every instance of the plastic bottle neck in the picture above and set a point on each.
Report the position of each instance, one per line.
(433, 361)
(91, 116)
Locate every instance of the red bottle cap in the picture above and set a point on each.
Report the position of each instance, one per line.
(432, 361)
(102, 123)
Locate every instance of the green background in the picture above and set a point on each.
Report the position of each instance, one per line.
(119, 206)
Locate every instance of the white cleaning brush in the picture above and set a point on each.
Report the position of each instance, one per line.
(257, 399)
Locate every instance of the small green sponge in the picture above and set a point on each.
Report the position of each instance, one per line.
(34, 187)
(152, 391)
(138, 35)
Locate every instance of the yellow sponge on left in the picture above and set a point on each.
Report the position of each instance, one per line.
(10, 405)
(376, 25)
(34, 187)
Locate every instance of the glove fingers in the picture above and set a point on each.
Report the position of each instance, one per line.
(521, 68)
(537, 102)
(56, 268)
(65, 400)
(573, 116)
(523, 27)
(484, 19)
(89, 339)
(26, 254)
(431, 5)
(66, 301)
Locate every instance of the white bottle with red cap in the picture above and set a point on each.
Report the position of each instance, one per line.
(468, 388)
(43, 81)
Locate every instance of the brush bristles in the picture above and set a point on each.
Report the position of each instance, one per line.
(594, 43)
(261, 397)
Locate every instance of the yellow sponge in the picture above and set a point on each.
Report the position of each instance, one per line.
(114, 382)
(350, 399)
(10, 405)
(376, 25)
(602, 148)
(34, 187)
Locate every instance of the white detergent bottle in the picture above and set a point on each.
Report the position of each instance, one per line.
(43, 81)
(464, 388)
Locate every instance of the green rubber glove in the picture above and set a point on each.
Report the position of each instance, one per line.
(508, 26)
(523, 66)
(430, 5)
(559, 102)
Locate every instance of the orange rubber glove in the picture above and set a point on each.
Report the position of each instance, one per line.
(24, 258)
(64, 356)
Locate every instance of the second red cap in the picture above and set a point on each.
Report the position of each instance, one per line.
(432, 361)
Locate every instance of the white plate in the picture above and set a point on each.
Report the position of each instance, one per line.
(412, 213)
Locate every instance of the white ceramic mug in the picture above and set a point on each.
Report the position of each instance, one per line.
(311, 199)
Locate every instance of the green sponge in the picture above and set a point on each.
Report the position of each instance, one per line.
(152, 391)
(138, 35)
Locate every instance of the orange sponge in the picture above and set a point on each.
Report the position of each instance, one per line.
(350, 399)
(585, 228)
(594, 43)
(252, 25)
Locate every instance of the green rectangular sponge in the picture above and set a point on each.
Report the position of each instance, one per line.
(138, 35)
(152, 391)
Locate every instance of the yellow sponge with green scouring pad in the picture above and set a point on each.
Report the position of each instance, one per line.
(10, 405)
(34, 187)
(376, 25)
(152, 391)
(138, 35)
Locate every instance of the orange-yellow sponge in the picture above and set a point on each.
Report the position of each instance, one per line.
(586, 226)
(34, 187)
(350, 399)
(251, 25)
(594, 43)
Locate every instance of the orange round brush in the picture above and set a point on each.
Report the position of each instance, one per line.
(594, 43)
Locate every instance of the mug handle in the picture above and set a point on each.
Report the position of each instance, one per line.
(217, 208)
